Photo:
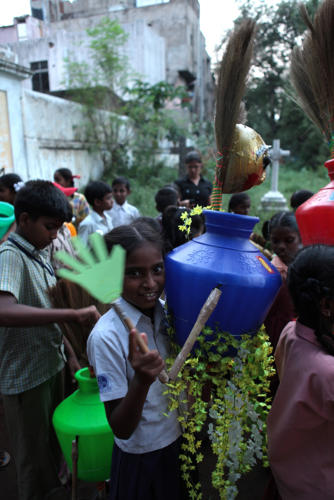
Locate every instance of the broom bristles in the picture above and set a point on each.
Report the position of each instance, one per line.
(305, 96)
(231, 86)
(68, 295)
(312, 68)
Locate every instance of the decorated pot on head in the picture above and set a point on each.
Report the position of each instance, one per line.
(315, 217)
(244, 164)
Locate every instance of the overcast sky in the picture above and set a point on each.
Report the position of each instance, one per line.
(216, 17)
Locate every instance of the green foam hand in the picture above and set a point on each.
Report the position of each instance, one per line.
(96, 271)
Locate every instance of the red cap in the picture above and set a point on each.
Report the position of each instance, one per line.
(67, 191)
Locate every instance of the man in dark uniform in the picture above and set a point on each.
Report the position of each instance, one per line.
(194, 189)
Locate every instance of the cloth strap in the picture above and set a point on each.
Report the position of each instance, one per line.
(47, 267)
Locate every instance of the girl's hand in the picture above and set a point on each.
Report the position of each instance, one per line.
(147, 366)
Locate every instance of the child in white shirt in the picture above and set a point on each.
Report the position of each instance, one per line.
(99, 196)
(122, 212)
(145, 460)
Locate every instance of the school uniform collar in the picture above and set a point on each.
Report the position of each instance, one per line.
(41, 256)
(116, 206)
(187, 178)
(98, 218)
(306, 333)
(15, 237)
(137, 315)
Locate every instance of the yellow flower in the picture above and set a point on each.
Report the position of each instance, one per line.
(196, 210)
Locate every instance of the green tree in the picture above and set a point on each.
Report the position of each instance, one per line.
(95, 83)
(127, 131)
(269, 99)
(153, 123)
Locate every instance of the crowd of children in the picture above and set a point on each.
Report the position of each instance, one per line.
(147, 444)
(32, 348)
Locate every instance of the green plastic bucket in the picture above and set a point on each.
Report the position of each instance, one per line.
(7, 217)
(82, 414)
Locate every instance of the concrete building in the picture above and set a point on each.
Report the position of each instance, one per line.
(53, 143)
(47, 46)
(12, 146)
(164, 42)
(31, 143)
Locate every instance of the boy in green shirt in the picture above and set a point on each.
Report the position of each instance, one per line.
(31, 349)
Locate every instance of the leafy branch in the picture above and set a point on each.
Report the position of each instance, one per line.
(237, 371)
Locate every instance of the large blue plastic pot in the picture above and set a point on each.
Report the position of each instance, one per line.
(223, 255)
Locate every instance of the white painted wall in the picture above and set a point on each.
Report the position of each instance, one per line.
(50, 138)
(145, 50)
(11, 84)
(44, 133)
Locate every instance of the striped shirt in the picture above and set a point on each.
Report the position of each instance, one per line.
(28, 355)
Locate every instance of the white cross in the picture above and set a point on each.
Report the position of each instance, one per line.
(276, 154)
(273, 199)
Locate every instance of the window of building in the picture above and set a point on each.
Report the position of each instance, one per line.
(144, 3)
(22, 31)
(40, 79)
(37, 13)
(21, 27)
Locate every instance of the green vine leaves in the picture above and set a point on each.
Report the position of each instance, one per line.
(224, 389)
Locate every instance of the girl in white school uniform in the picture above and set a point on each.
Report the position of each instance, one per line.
(145, 462)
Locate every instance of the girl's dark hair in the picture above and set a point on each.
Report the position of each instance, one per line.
(8, 180)
(131, 237)
(150, 221)
(171, 220)
(299, 197)
(285, 219)
(96, 190)
(42, 199)
(67, 174)
(236, 199)
(310, 279)
(265, 230)
(193, 156)
(166, 196)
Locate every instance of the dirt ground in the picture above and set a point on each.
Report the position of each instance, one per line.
(251, 487)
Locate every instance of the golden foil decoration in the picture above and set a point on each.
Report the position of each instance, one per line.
(243, 166)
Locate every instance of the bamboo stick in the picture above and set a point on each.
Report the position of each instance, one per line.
(204, 314)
